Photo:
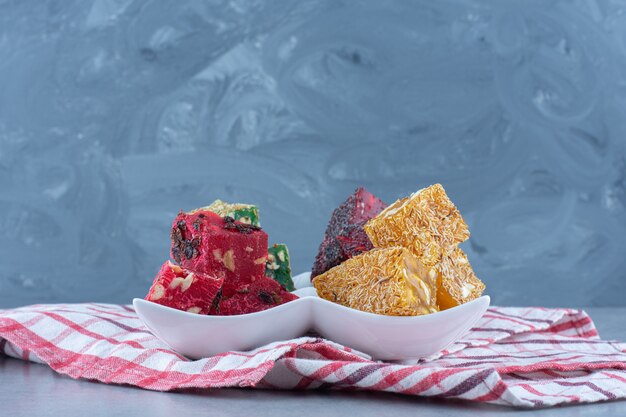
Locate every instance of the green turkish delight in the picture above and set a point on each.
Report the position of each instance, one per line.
(278, 266)
(244, 213)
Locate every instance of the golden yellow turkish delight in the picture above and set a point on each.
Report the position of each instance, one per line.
(431, 227)
(457, 283)
(389, 281)
(426, 222)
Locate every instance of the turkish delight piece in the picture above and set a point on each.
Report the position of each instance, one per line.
(244, 213)
(220, 246)
(457, 283)
(427, 223)
(182, 289)
(389, 281)
(344, 236)
(260, 294)
(278, 266)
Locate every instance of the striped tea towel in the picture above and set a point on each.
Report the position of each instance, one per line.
(523, 357)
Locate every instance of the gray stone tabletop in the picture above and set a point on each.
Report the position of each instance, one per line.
(28, 389)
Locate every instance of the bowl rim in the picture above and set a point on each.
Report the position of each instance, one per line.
(314, 298)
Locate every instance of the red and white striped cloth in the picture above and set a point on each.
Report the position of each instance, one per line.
(524, 357)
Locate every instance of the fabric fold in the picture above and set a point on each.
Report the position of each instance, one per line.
(522, 357)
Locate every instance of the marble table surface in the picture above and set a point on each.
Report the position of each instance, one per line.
(28, 389)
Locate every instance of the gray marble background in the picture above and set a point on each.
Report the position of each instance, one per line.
(115, 114)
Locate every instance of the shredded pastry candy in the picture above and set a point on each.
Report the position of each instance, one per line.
(457, 282)
(429, 225)
(426, 222)
(389, 281)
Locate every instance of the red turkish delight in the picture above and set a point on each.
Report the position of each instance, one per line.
(345, 237)
(259, 295)
(205, 242)
(182, 289)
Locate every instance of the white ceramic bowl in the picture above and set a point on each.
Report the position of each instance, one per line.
(382, 337)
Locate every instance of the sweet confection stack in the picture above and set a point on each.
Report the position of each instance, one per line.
(416, 266)
(224, 265)
(397, 260)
